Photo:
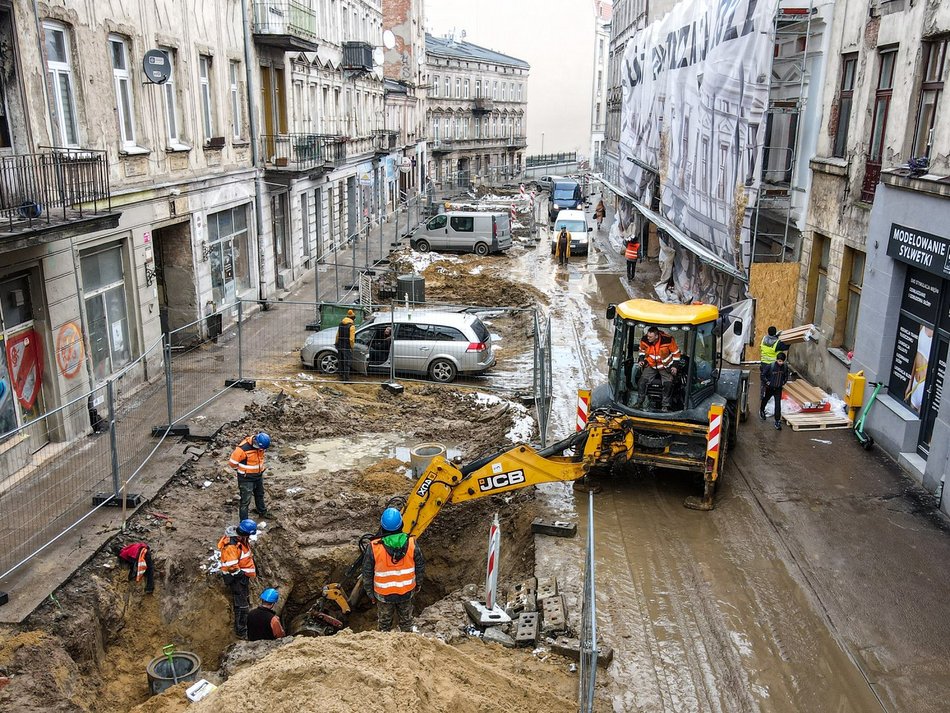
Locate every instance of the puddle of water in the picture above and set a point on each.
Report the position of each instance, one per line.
(331, 454)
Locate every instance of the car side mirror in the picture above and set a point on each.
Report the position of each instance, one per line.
(737, 327)
(611, 311)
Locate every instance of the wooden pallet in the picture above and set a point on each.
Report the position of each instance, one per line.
(822, 421)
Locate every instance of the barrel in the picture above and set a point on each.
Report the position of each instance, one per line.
(411, 287)
(420, 456)
(163, 671)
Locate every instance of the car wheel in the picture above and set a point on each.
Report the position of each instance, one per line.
(443, 371)
(481, 249)
(327, 363)
(422, 246)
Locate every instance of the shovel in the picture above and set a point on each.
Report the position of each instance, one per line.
(168, 650)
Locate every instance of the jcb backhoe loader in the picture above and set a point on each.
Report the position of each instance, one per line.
(706, 404)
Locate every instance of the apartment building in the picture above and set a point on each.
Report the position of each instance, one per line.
(876, 276)
(598, 109)
(476, 112)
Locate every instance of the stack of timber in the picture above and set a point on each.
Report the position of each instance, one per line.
(795, 335)
(815, 414)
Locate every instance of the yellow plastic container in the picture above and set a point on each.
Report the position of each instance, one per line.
(854, 391)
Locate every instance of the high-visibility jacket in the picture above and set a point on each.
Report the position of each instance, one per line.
(346, 334)
(770, 347)
(632, 251)
(247, 458)
(662, 353)
(393, 577)
(236, 556)
(136, 553)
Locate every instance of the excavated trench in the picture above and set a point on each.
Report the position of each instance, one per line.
(331, 473)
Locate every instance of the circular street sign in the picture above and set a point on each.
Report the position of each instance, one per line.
(156, 66)
(405, 164)
(389, 39)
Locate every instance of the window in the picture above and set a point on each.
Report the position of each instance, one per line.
(519, 91)
(230, 268)
(234, 73)
(704, 359)
(103, 284)
(458, 88)
(818, 278)
(466, 89)
(412, 332)
(931, 86)
(119, 51)
(435, 86)
(439, 333)
(448, 88)
(172, 124)
(462, 223)
(59, 66)
(478, 88)
(437, 223)
(849, 65)
(854, 259)
(494, 90)
(204, 83)
(882, 105)
(723, 159)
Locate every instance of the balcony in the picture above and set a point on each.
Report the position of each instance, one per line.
(517, 142)
(357, 56)
(385, 140)
(286, 25)
(302, 153)
(483, 105)
(54, 194)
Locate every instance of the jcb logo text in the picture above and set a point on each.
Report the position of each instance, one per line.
(502, 480)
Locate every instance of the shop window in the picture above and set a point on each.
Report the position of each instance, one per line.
(818, 278)
(931, 87)
(24, 401)
(849, 64)
(107, 323)
(230, 269)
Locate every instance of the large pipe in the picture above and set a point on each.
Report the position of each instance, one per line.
(255, 153)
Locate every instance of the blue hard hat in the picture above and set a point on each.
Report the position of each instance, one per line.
(270, 596)
(247, 527)
(262, 440)
(391, 520)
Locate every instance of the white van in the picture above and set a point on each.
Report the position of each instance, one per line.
(576, 223)
(464, 231)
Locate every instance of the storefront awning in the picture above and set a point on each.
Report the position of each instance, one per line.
(704, 254)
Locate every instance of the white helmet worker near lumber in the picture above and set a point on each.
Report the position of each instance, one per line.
(393, 568)
(769, 349)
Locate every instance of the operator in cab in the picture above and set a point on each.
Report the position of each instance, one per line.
(659, 356)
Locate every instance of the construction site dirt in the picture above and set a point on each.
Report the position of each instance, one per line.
(806, 589)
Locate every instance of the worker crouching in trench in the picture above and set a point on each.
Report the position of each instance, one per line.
(393, 568)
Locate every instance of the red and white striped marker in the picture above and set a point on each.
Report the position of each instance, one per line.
(583, 408)
(522, 190)
(715, 426)
(494, 555)
(532, 200)
(513, 213)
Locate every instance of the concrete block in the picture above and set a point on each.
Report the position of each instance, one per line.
(554, 613)
(570, 648)
(523, 596)
(496, 635)
(547, 587)
(484, 616)
(555, 528)
(527, 628)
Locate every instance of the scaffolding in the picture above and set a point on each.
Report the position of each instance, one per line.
(780, 181)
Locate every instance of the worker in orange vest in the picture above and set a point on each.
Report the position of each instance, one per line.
(632, 254)
(659, 356)
(138, 556)
(248, 460)
(237, 569)
(393, 568)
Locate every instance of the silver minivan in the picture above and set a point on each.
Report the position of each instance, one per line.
(464, 231)
(440, 345)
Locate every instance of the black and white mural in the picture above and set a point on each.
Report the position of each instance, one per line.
(695, 95)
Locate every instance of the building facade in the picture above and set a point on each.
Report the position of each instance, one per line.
(598, 109)
(890, 122)
(476, 112)
(627, 17)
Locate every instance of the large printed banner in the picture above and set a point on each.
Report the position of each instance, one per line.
(695, 94)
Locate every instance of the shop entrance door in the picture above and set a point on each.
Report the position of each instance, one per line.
(932, 395)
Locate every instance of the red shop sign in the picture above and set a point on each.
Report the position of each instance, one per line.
(25, 363)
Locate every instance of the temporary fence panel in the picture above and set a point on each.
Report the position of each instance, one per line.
(588, 637)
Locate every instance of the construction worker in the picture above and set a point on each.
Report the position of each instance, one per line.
(631, 253)
(263, 624)
(248, 460)
(775, 377)
(769, 348)
(237, 568)
(138, 556)
(659, 356)
(562, 247)
(345, 339)
(393, 568)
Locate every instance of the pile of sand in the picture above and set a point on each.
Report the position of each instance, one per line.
(369, 672)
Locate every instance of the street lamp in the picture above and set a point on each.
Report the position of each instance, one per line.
(542, 143)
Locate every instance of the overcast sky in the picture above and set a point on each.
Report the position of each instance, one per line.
(556, 37)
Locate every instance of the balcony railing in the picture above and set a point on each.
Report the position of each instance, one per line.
(385, 140)
(358, 56)
(518, 141)
(55, 186)
(285, 24)
(302, 152)
(483, 105)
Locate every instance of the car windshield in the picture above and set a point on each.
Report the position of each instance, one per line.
(564, 194)
(573, 226)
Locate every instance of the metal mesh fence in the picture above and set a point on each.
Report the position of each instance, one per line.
(588, 636)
